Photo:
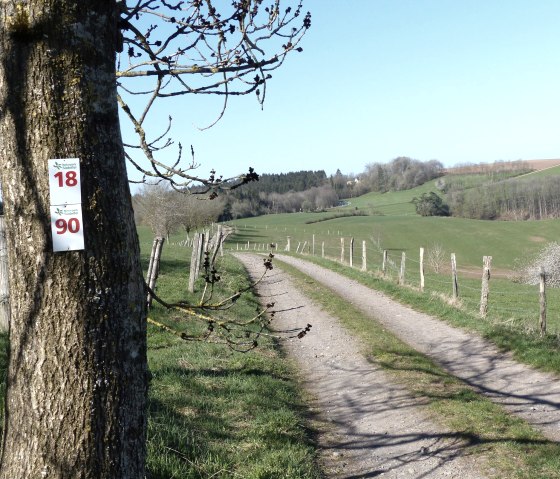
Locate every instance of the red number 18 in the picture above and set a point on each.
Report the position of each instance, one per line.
(71, 179)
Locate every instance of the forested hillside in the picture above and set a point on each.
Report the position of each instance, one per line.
(525, 198)
(402, 173)
(281, 193)
(314, 191)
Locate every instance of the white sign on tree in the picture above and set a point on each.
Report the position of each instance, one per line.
(66, 204)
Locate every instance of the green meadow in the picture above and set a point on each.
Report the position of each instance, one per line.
(546, 173)
(507, 242)
(217, 413)
(388, 222)
(393, 203)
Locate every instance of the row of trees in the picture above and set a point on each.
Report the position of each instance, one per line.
(402, 173)
(493, 170)
(281, 193)
(317, 198)
(314, 191)
(282, 183)
(166, 210)
(520, 199)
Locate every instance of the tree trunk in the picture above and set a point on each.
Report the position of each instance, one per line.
(4, 286)
(77, 377)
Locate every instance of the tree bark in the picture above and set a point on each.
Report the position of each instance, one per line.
(77, 377)
(4, 285)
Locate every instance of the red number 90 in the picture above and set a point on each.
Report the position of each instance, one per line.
(73, 225)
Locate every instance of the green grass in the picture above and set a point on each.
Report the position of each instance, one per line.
(547, 172)
(511, 304)
(469, 239)
(397, 203)
(503, 444)
(214, 412)
(513, 307)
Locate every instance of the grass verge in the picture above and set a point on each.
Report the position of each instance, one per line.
(216, 413)
(507, 446)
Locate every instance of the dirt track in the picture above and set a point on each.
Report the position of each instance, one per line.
(378, 430)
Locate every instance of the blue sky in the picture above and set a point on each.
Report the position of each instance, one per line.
(457, 81)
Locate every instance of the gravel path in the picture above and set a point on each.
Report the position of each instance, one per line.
(532, 395)
(375, 428)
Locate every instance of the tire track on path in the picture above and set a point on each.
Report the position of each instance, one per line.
(376, 428)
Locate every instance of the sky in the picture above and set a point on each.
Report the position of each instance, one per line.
(457, 81)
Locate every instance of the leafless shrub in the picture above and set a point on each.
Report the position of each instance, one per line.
(436, 257)
(548, 258)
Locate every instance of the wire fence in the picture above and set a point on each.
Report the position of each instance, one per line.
(508, 300)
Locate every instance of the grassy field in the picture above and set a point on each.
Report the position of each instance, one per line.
(509, 243)
(388, 222)
(217, 413)
(547, 172)
(470, 240)
(392, 203)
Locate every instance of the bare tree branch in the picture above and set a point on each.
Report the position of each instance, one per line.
(193, 47)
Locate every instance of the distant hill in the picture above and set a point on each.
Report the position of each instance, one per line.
(536, 165)
(543, 164)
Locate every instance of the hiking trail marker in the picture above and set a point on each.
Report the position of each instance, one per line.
(66, 204)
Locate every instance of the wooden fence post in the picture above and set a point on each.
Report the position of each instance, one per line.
(364, 256)
(201, 249)
(542, 297)
(216, 242)
(155, 268)
(422, 269)
(288, 244)
(4, 284)
(454, 276)
(313, 249)
(194, 257)
(151, 263)
(342, 250)
(323, 249)
(402, 272)
(487, 262)
(384, 264)
(351, 252)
